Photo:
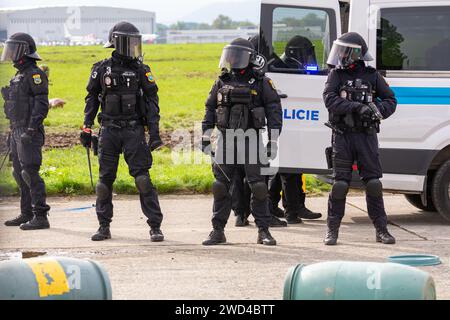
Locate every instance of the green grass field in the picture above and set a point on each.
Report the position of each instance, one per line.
(184, 73)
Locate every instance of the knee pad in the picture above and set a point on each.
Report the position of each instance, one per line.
(219, 190)
(26, 177)
(340, 190)
(374, 188)
(102, 191)
(259, 190)
(143, 184)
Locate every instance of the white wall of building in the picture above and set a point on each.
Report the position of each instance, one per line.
(208, 36)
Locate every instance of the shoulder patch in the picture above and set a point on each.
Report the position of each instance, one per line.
(150, 77)
(37, 79)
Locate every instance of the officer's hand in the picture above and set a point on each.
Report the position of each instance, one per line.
(206, 145)
(272, 149)
(365, 112)
(86, 137)
(27, 136)
(155, 144)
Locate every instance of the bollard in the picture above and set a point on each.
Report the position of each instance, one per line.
(340, 280)
(53, 278)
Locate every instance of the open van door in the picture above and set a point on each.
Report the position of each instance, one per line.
(296, 38)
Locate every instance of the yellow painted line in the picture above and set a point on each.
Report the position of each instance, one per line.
(50, 276)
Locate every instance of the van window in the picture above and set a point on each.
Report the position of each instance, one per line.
(299, 39)
(414, 39)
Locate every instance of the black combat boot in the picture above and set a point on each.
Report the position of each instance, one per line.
(241, 221)
(265, 238)
(103, 233)
(278, 212)
(332, 234)
(307, 214)
(21, 219)
(156, 235)
(217, 236)
(39, 222)
(292, 217)
(384, 236)
(277, 223)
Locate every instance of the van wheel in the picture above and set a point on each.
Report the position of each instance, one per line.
(416, 201)
(441, 190)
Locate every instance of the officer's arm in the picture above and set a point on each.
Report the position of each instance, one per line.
(386, 101)
(92, 99)
(209, 121)
(331, 96)
(150, 90)
(39, 90)
(272, 106)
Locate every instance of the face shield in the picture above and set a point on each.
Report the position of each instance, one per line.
(303, 55)
(344, 54)
(235, 57)
(14, 50)
(128, 45)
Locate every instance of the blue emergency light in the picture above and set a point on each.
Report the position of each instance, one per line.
(312, 68)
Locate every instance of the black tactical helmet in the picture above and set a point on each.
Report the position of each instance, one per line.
(348, 49)
(126, 39)
(301, 50)
(19, 45)
(239, 54)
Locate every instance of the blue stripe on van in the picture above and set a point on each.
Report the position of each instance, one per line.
(422, 95)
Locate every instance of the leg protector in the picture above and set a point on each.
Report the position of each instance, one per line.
(340, 190)
(374, 188)
(102, 191)
(143, 184)
(219, 190)
(259, 190)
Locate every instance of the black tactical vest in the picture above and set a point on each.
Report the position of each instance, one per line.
(19, 103)
(121, 93)
(239, 103)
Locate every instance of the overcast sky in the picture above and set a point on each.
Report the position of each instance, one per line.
(167, 11)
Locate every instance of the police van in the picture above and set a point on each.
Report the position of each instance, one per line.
(410, 43)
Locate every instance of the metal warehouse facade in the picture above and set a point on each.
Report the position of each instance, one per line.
(69, 24)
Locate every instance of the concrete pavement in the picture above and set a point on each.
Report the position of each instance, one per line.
(180, 268)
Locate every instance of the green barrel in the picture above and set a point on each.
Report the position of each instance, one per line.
(53, 278)
(339, 280)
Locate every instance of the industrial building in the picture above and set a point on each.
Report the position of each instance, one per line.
(71, 25)
(209, 36)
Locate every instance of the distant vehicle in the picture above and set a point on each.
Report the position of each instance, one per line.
(410, 41)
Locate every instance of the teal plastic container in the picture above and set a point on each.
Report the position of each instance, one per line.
(53, 278)
(340, 280)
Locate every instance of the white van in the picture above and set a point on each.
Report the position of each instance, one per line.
(410, 41)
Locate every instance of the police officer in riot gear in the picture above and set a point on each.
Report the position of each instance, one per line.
(26, 107)
(241, 101)
(357, 98)
(299, 53)
(126, 91)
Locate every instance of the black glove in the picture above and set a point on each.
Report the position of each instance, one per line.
(272, 149)
(365, 112)
(86, 137)
(206, 145)
(155, 144)
(27, 136)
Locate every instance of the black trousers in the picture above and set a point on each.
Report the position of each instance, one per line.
(293, 196)
(362, 149)
(132, 143)
(27, 160)
(225, 169)
(240, 194)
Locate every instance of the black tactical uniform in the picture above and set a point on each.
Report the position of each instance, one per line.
(126, 91)
(293, 198)
(241, 98)
(26, 107)
(357, 98)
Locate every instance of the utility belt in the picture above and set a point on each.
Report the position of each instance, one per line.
(121, 124)
(359, 127)
(235, 109)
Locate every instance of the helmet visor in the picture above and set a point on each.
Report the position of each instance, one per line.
(128, 45)
(14, 50)
(344, 54)
(301, 54)
(235, 57)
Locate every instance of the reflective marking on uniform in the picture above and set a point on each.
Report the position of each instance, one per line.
(50, 277)
(422, 95)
